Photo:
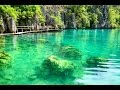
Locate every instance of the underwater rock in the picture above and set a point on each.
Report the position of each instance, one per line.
(5, 60)
(8, 77)
(95, 60)
(2, 41)
(53, 65)
(32, 77)
(43, 41)
(70, 52)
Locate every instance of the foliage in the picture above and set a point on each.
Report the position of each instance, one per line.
(29, 12)
(114, 16)
(58, 20)
(7, 9)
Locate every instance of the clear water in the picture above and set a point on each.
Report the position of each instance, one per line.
(28, 53)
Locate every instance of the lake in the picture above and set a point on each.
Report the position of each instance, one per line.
(28, 51)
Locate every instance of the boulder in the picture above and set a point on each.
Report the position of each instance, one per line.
(5, 60)
(42, 40)
(95, 60)
(55, 66)
(2, 41)
(70, 52)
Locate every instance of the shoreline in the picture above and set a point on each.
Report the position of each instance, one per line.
(41, 31)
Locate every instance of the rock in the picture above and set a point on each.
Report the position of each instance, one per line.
(11, 24)
(2, 41)
(5, 60)
(95, 60)
(32, 77)
(55, 66)
(7, 77)
(43, 41)
(69, 20)
(2, 27)
(70, 52)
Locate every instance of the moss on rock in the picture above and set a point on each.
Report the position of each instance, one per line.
(53, 65)
(5, 60)
(2, 41)
(43, 41)
(70, 52)
(95, 60)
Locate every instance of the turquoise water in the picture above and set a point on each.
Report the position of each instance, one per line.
(28, 53)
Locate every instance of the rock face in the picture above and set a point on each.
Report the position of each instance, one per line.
(2, 27)
(49, 20)
(11, 24)
(69, 20)
(104, 19)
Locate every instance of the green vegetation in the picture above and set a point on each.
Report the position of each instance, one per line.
(22, 13)
(89, 15)
(114, 16)
(86, 16)
(58, 21)
(28, 12)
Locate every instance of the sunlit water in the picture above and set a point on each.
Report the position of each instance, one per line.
(28, 53)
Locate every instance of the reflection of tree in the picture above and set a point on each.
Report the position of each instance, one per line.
(15, 44)
(58, 38)
(112, 40)
(2, 42)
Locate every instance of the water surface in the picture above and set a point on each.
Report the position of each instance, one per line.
(28, 53)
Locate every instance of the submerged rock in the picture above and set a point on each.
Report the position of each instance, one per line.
(8, 77)
(43, 41)
(70, 52)
(95, 60)
(5, 60)
(32, 77)
(2, 41)
(54, 66)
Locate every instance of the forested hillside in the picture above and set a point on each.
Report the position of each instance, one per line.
(68, 16)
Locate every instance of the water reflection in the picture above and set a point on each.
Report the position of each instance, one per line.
(2, 42)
